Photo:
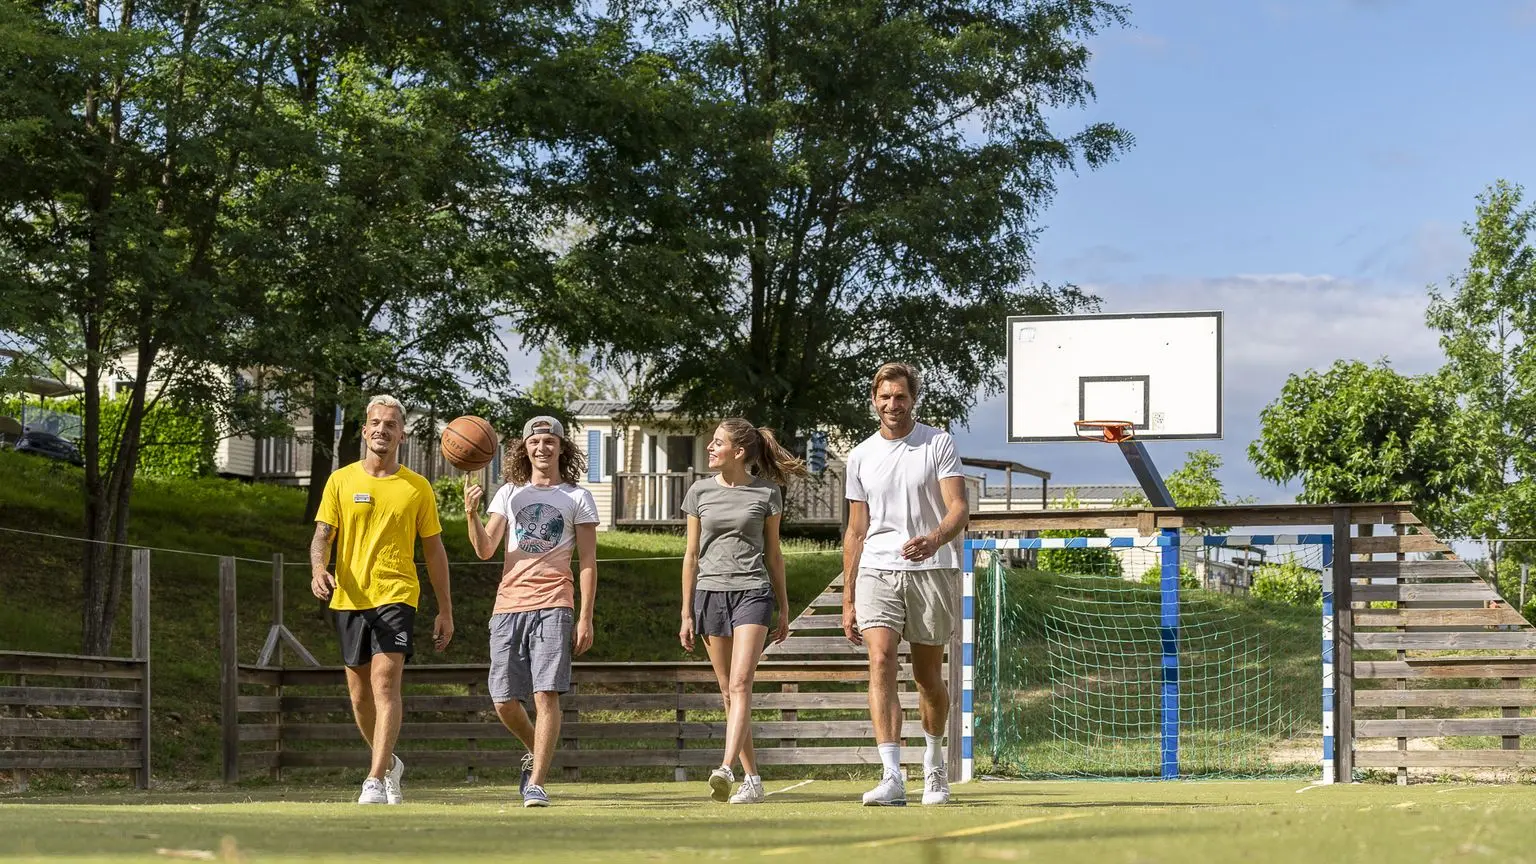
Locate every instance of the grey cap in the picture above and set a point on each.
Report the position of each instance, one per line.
(544, 425)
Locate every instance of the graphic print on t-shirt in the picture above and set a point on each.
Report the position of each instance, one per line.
(539, 528)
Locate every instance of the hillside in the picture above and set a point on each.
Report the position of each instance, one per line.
(636, 614)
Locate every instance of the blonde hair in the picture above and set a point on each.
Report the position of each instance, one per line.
(766, 457)
(387, 401)
(893, 371)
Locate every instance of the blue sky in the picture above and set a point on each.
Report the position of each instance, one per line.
(1306, 167)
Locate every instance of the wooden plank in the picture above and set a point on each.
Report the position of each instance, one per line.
(1500, 615)
(1439, 727)
(1389, 543)
(587, 673)
(40, 728)
(140, 624)
(265, 677)
(1446, 758)
(80, 697)
(45, 760)
(1419, 591)
(827, 599)
(1448, 667)
(657, 757)
(1445, 641)
(802, 701)
(1250, 515)
(1344, 629)
(1510, 712)
(69, 666)
(1468, 698)
(270, 760)
(816, 622)
(1414, 570)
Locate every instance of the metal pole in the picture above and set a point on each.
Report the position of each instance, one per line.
(1170, 639)
(998, 594)
(1329, 687)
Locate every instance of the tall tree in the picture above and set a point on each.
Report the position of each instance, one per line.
(124, 131)
(1487, 323)
(778, 196)
(1357, 433)
(562, 377)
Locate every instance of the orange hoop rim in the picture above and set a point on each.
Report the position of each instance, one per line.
(1107, 431)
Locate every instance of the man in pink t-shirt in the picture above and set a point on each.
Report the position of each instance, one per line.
(534, 632)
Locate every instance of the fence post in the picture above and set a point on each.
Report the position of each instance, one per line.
(229, 678)
(141, 652)
(1343, 647)
(959, 660)
(1170, 637)
(277, 659)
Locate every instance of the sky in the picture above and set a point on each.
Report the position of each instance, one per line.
(1305, 167)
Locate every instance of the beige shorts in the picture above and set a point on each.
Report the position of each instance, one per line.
(921, 605)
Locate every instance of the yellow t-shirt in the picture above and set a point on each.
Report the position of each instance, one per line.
(378, 520)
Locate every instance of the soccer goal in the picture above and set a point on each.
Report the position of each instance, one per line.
(1172, 655)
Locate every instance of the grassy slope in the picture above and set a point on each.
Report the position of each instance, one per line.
(1055, 822)
(636, 612)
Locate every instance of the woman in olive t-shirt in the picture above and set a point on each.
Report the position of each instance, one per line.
(733, 580)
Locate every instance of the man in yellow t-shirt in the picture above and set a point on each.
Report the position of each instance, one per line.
(374, 511)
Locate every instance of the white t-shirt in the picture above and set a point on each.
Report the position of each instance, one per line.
(541, 534)
(899, 480)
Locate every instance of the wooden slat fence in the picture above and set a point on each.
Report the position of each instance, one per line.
(72, 712)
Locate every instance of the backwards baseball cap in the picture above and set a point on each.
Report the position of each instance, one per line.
(544, 425)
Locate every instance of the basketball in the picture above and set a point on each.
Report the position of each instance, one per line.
(469, 443)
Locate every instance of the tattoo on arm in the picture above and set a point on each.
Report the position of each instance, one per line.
(320, 546)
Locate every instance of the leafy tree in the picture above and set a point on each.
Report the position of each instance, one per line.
(779, 196)
(562, 378)
(1487, 324)
(124, 133)
(1193, 484)
(1288, 582)
(1358, 432)
(1153, 577)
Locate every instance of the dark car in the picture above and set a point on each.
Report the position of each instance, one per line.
(50, 445)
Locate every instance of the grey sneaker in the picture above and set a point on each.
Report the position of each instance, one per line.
(534, 796)
(720, 781)
(892, 792)
(373, 792)
(936, 786)
(750, 792)
(527, 776)
(392, 779)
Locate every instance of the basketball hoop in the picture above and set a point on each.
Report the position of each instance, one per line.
(1107, 431)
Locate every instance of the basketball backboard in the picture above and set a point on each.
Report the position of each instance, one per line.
(1160, 371)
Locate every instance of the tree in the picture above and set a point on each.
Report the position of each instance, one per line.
(1488, 332)
(124, 132)
(1357, 433)
(779, 196)
(1193, 484)
(562, 378)
(1098, 561)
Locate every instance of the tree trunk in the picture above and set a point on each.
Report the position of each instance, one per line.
(350, 448)
(322, 447)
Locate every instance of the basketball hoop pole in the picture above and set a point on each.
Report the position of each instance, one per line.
(1151, 482)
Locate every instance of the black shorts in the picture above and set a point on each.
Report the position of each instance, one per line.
(385, 629)
(719, 613)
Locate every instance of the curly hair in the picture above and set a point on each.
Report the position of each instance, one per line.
(519, 468)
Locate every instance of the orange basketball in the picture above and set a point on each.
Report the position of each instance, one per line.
(469, 443)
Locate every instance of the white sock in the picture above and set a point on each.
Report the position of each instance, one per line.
(933, 757)
(755, 778)
(890, 757)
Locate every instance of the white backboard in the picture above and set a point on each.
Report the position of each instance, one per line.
(1159, 370)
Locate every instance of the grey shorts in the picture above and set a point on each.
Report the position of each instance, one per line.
(921, 605)
(719, 613)
(530, 653)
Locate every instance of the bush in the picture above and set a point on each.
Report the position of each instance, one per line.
(450, 495)
(1087, 562)
(1288, 582)
(1187, 578)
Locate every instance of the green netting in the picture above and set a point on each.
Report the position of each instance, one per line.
(1069, 671)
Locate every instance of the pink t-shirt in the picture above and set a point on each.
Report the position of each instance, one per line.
(541, 537)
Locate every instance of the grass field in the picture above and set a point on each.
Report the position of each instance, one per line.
(1053, 822)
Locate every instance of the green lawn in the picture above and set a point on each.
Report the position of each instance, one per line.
(1056, 822)
(636, 612)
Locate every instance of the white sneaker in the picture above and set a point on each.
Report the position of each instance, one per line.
(750, 792)
(892, 792)
(720, 781)
(392, 779)
(373, 792)
(936, 786)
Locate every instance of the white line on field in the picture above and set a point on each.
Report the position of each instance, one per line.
(1311, 786)
(796, 786)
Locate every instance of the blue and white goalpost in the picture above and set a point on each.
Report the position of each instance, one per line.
(1170, 542)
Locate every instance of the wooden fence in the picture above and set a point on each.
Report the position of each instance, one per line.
(73, 712)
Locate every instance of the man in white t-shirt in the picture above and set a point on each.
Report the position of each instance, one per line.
(533, 634)
(901, 572)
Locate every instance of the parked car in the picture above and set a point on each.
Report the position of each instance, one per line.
(49, 445)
